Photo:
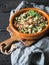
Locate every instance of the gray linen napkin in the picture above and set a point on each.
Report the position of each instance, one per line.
(37, 54)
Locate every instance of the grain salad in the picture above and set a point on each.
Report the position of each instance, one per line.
(30, 22)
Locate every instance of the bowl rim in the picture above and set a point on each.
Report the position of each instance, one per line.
(26, 9)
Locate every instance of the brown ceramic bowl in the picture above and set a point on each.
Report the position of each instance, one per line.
(29, 36)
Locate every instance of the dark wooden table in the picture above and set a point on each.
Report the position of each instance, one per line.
(5, 7)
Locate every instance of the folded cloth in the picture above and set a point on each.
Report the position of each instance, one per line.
(33, 55)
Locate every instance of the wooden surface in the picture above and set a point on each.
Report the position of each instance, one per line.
(5, 8)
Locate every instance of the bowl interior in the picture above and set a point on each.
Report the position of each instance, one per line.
(24, 10)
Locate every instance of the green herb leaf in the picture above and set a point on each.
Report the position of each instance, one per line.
(32, 13)
(22, 31)
(18, 28)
